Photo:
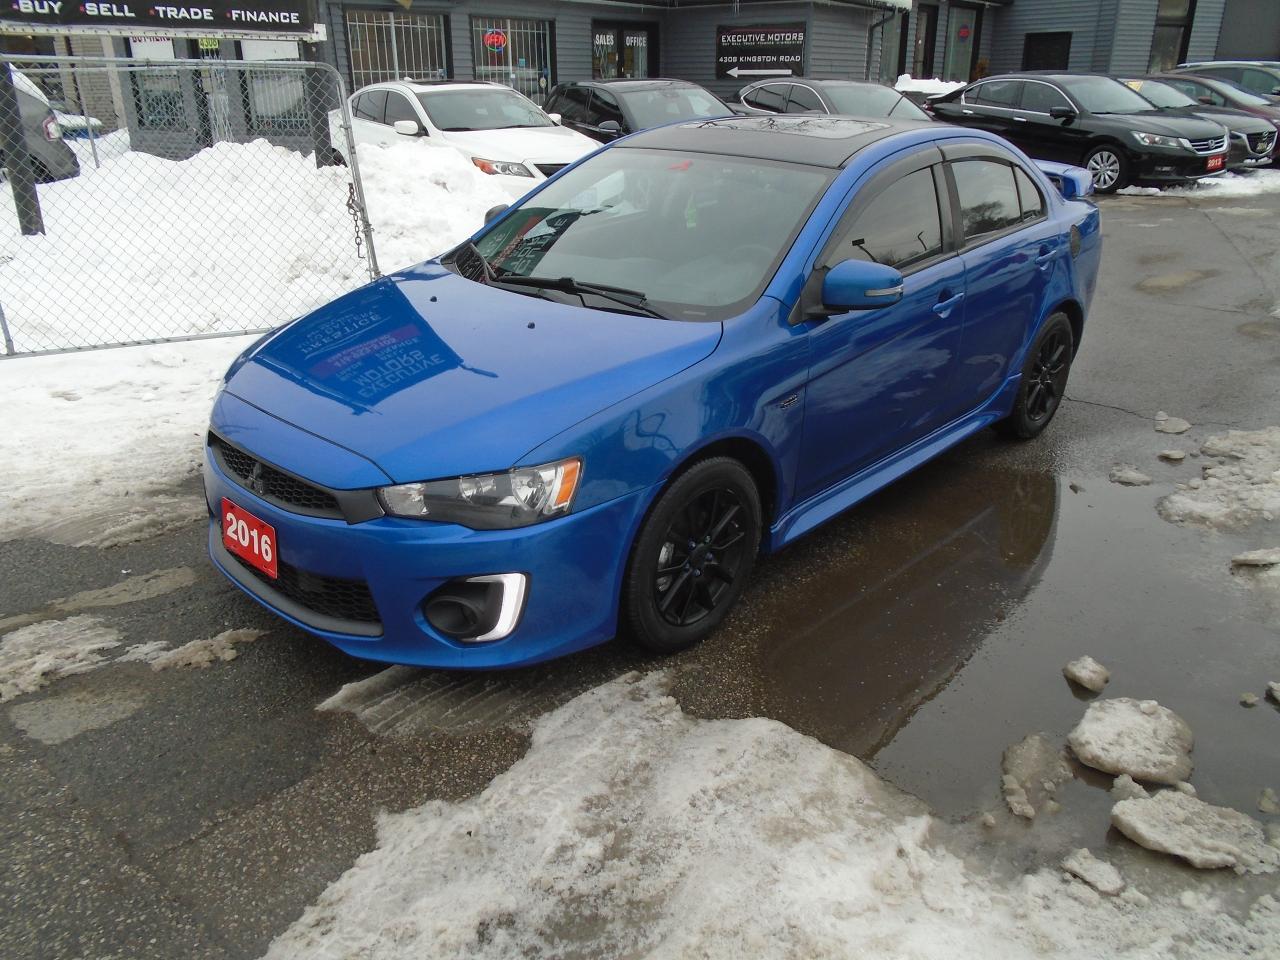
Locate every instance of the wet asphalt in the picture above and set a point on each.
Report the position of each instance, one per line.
(196, 812)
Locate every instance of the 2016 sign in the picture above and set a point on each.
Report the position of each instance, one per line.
(772, 50)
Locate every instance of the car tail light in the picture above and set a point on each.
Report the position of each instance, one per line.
(52, 129)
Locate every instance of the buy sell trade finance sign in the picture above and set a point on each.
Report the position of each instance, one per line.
(224, 16)
(754, 53)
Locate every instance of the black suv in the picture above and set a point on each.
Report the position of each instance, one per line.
(1093, 121)
(607, 109)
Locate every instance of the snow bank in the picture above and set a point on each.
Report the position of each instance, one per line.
(908, 83)
(32, 657)
(1240, 484)
(1205, 836)
(238, 237)
(630, 829)
(1137, 737)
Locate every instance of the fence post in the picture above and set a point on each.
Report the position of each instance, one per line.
(14, 141)
(317, 100)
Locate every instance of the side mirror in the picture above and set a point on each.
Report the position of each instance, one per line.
(555, 118)
(1062, 113)
(611, 126)
(495, 212)
(407, 128)
(860, 285)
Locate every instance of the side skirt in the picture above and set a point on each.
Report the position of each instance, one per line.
(821, 507)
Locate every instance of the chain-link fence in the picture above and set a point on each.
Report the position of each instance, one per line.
(149, 201)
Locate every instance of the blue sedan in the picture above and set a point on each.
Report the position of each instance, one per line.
(689, 348)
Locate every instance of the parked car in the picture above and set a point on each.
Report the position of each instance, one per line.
(1252, 139)
(608, 109)
(501, 131)
(848, 97)
(51, 158)
(698, 343)
(1259, 77)
(1220, 93)
(1090, 120)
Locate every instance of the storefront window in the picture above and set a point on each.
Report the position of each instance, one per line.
(385, 45)
(157, 94)
(1172, 33)
(622, 50)
(963, 26)
(514, 52)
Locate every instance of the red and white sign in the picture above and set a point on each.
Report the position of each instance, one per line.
(249, 538)
(1216, 163)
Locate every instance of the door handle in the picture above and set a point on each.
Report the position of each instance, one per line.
(945, 304)
(1020, 119)
(1045, 260)
(967, 113)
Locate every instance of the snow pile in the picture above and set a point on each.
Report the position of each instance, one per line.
(32, 657)
(1087, 672)
(109, 147)
(1240, 485)
(1229, 185)
(1205, 836)
(238, 237)
(1137, 737)
(200, 653)
(95, 442)
(630, 829)
(909, 84)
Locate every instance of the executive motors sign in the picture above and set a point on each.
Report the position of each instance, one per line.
(295, 18)
(772, 50)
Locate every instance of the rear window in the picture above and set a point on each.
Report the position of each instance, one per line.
(994, 93)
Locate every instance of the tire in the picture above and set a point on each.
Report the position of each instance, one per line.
(1109, 167)
(692, 557)
(1044, 380)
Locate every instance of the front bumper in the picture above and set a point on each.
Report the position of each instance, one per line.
(1174, 166)
(574, 566)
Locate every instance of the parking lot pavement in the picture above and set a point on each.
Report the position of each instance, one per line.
(196, 810)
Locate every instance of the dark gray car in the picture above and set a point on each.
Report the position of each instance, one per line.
(846, 97)
(51, 158)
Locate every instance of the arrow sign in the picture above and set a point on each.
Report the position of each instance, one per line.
(736, 72)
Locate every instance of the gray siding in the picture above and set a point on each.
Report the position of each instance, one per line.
(1250, 31)
(1079, 18)
(1204, 30)
(837, 43)
(1134, 24)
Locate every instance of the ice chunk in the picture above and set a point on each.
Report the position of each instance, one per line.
(1172, 456)
(1126, 788)
(1172, 425)
(1098, 874)
(1249, 699)
(1087, 672)
(1273, 691)
(1240, 489)
(1268, 802)
(1128, 476)
(1257, 558)
(1137, 737)
(1032, 768)
(1205, 836)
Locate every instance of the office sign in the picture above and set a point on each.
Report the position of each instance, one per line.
(752, 53)
(291, 17)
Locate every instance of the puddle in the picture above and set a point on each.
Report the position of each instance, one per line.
(56, 719)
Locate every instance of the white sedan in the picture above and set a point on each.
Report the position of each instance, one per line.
(501, 131)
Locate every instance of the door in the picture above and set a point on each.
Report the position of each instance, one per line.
(1047, 51)
(990, 106)
(1009, 253)
(926, 39)
(621, 50)
(880, 379)
(1042, 135)
(963, 27)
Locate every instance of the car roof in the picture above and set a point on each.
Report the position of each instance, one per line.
(816, 140)
(426, 86)
(626, 84)
(1269, 64)
(816, 82)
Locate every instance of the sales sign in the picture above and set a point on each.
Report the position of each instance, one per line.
(287, 17)
(773, 50)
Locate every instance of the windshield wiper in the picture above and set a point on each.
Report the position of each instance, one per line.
(635, 299)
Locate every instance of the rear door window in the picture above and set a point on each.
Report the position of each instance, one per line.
(902, 226)
(803, 99)
(988, 197)
(772, 96)
(370, 105)
(1041, 98)
(998, 93)
(1030, 199)
(1259, 82)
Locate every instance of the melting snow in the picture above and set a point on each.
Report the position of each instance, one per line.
(1128, 476)
(1240, 486)
(630, 829)
(35, 655)
(203, 653)
(1098, 874)
(1032, 769)
(1137, 737)
(1205, 836)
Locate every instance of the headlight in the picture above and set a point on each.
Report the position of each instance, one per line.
(493, 501)
(503, 167)
(1155, 140)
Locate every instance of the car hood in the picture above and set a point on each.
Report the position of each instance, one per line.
(1163, 124)
(546, 144)
(430, 375)
(1232, 119)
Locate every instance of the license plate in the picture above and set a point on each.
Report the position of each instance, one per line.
(249, 538)
(1215, 163)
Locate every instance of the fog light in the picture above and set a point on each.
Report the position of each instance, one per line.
(477, 609)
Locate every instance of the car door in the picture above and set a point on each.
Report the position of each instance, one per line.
(366, 116)
(989, 105)
(400, 107)
(1009, 251)
(880, 379)
(1041, 135)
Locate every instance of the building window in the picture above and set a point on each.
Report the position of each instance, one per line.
(1173, 33)
(386, 45)
(514, 52)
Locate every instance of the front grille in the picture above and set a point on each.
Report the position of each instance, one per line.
(328, 596)
(274, 485)
(1215, 145)
(1261, 143)
(549, 169)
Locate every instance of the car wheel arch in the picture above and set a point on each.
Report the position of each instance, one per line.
(1075, 316)
(1104, 141)
(751, 453)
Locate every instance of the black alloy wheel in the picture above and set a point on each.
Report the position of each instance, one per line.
(1044, 380)
(693, 556)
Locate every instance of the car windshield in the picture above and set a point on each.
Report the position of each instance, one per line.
(493, 109)
(1161, 94)
(696, 236)
(870, 100)
(1104, 95)
(652, 108)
